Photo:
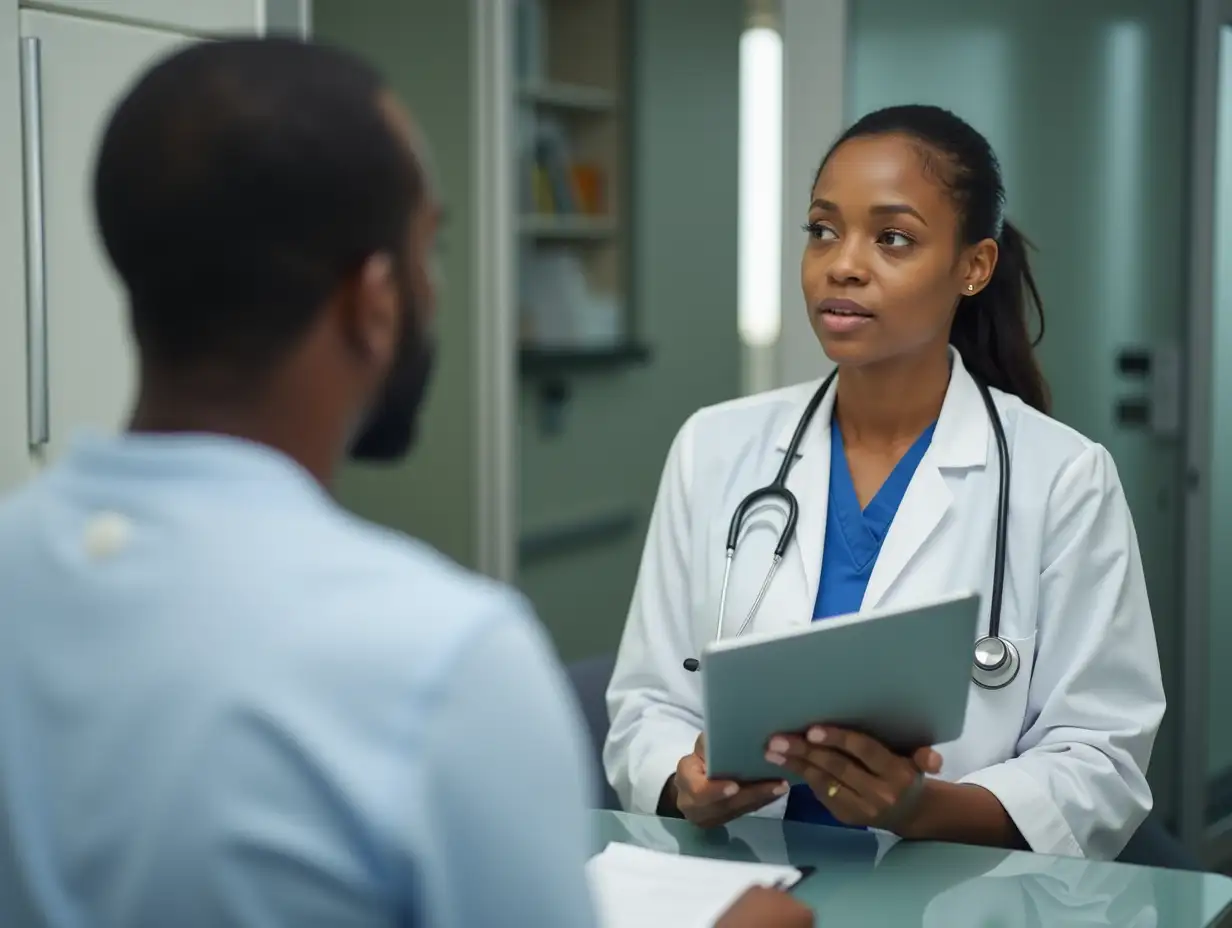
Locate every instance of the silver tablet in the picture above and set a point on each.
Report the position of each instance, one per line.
(901, 676)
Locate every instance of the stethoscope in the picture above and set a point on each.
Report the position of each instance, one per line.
(996, 659)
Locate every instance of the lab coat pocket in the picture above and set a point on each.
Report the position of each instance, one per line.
(995, 720)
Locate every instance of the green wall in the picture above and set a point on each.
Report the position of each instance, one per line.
(424, 49)
(619, 423)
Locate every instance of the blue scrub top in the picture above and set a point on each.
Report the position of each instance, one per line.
(853, 541)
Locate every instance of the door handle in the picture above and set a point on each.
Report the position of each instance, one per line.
(38, 411)
(1159, 408)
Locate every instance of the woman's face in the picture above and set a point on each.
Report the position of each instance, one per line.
(882, 271)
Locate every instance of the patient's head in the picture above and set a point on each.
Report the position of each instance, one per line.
(266, 206)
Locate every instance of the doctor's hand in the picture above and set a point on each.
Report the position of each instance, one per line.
(860, 780)
(711, 803)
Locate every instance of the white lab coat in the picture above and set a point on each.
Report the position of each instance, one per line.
(1064, 747)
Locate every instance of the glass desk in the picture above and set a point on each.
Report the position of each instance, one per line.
(864, 879)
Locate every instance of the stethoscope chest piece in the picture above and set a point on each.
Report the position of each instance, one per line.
(996, 663)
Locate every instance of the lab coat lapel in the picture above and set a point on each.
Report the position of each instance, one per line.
(924, 505)
(959, 441)
(809, 480)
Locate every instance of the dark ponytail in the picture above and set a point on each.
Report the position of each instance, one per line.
(990, 328)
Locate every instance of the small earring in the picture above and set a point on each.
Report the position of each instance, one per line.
(971, 288)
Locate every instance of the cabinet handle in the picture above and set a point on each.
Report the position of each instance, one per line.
(38, 412)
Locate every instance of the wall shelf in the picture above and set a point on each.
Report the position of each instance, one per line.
(572, 147)
(538, 360)
(577, 98)
(568, 227)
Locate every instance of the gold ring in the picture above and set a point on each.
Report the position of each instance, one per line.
(833, 790)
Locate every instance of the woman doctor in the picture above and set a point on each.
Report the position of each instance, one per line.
(917, 289)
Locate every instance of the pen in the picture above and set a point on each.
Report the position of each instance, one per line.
(787, 883)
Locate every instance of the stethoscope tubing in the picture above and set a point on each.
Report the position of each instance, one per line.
(993, 673)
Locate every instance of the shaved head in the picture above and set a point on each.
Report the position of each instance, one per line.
(239, 184)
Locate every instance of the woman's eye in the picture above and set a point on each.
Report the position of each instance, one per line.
(895, 239)
(820, 231)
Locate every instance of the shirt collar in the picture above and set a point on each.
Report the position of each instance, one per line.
(196, 458)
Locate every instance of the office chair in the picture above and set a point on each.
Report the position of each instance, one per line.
(590, 678)
(1154, 846)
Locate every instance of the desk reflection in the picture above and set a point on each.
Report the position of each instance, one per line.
(864, 878)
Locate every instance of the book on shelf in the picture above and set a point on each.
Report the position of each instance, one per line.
(558, 184)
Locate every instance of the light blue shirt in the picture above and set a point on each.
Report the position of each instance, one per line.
(225, 701)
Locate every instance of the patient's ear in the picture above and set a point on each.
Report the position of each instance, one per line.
(371, 313)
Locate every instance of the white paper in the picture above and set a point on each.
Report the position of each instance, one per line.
(636, 887)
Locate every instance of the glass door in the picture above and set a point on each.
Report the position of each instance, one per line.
(1209, 647)
(1080, 100)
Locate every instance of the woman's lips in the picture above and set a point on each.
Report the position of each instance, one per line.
(843, 316)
